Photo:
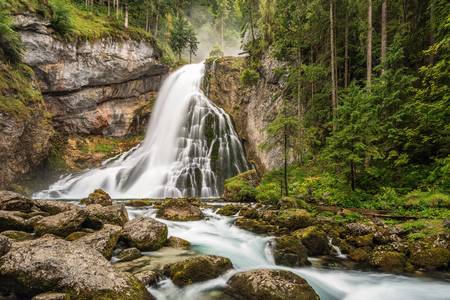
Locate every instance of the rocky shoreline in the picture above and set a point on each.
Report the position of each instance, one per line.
(95, 250)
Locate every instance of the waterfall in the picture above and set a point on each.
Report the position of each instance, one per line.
(190, 148)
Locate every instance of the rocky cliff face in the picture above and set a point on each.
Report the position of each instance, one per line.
(251, 108)
(91, 87)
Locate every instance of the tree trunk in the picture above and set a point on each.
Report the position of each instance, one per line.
(117, 8)
(383, 35)
(109, 7)
(126, 15)
(251, 23)
(369, 43)
(286, 189)
(221, 32)
(352, 175)
(333, 65)
(156, 25)
(346, 58)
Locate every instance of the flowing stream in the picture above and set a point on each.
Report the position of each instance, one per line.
(189, 150)
(217, 235)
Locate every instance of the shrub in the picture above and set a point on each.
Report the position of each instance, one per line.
(239, 190)
(61, 19)
(417, 199)
(10, 42)
(268, 193)
(249, 77)
(216, 52)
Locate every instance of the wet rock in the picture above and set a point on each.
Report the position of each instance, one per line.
(9, 220)
(359, 255)
(314, 239)
(429, 255)
(103, 240)
(179, 243)
(52, 264)
(98, 196)
(18, 235)
(51, 296)
(359, 229)
(147, 277)
(129, 254)
(54, 207)
(228, 210)
(249, 212)
(179, 210)
(13, 201)
(198, 268)
(98, 215)
(145, 233)
(61, 224)
(5, 245)
(255, 226)
(388, 261)
(139, 203)
(294, 218)
(289, 251)
(270, 285)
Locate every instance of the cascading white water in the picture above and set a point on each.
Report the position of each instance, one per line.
(190, 148)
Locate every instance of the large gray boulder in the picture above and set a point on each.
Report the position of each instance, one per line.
(52, 264)
(13, 201)
(97, 215)
(103, 240)
(54, 207)
(264, 284)
(179, 210)
(98, 196)
(145, 233)
(61, 224)
(197, 268)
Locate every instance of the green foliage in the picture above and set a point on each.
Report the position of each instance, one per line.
(269, 193)
(237, 189)
(10, 43)
(249, 77)
(182, 36)
(61, 19)
(417, 199)
(216, 52)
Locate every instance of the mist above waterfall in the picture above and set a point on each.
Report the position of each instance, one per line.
(189, 150)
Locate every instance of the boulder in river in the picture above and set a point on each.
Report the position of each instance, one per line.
(129, 254)
(179, 243)
(61, 224)
(264, 284)
(197, 268)
(104, 240)
(289, 251)
(98, 215)
(53, 207)
(13, 201)
(98, 196)
(314, 239)
(52, 264)
(294, 218)
(179, 210)
(145, 233)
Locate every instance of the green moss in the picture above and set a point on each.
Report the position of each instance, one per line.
(427, 200)
(241, 188)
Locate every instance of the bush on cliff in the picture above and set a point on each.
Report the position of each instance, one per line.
(10, 43)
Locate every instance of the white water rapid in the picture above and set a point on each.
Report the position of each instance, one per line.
(217, 235)
(189, 150)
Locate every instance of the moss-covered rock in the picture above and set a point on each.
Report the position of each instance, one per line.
(104, 240)
(198, 268)
(139, 202)
(294, 218)
(428, 254)
(98, 215)
(356, 229)
(76, 235)
(289, 251)
(256, 226)
(129, 254)
(98, 196)
(179, 243)
(388, 261)
(228, 210)
(314, 239)
(61, 224)
(249, 213)
(359, 255)
(18, 235)
(287, 202)
(270, 285)
(53, 207)
(10, 220)
(241, 188)
(5, 245)
(13, 201)
(179, 210)
(361, 240)
(145, 234)
(52, 264)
